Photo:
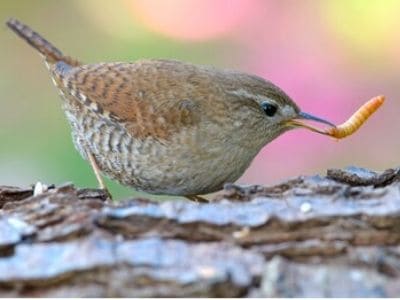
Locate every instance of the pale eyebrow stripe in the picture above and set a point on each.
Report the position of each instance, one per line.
(245, 94)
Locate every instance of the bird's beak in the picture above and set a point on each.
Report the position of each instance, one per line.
(298, 121)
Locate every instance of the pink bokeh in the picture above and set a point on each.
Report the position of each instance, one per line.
(191, 19)
(292, 45)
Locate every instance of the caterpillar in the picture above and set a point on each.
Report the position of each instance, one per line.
(357, 119)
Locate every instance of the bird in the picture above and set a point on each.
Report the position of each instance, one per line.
(166, 126)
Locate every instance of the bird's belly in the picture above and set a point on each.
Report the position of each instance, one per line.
(176, 167)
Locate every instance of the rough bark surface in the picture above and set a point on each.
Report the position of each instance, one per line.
(331, 236)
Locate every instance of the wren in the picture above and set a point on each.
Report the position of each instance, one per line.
(166, 126)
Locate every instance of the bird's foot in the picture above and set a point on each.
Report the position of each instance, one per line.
(197, 199)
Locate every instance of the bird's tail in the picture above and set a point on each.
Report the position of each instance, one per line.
(51, 54)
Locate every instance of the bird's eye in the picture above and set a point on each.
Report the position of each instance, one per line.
(269, 109)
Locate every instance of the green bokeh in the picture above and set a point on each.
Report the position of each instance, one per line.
(35, 137)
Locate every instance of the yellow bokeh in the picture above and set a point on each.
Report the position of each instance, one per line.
(367, 25)
(112, 17)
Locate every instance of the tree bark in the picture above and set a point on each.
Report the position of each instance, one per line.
(321, 236)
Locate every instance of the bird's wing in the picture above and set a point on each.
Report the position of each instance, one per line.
(149, 98)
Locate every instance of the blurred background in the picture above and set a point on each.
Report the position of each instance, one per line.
(329, 56)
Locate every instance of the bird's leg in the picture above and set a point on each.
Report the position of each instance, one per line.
(96, 171)
(196, 198)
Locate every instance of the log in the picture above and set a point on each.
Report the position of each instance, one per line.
(312, 236)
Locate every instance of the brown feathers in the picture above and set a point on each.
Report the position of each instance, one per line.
(137, 95)
(51, 53)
